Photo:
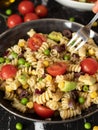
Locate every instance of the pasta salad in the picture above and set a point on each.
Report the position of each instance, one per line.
(43, 75)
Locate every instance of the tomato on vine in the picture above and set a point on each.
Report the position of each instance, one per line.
(30, 16)
(14, 20)
(41, 10)
(25, 7)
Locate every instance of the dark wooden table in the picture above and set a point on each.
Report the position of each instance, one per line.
(8, 120)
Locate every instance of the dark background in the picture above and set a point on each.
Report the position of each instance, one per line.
(55, 10)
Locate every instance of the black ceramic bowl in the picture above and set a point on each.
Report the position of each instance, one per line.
(11, 37)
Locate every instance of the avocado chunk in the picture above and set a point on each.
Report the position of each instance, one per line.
(23, 79)
(56, 36)
(68, 86)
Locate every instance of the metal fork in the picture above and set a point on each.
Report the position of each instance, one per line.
(82, 35)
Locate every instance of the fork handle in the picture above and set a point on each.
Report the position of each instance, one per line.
(89, 25)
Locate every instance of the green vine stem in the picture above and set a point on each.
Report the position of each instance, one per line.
(4, 16)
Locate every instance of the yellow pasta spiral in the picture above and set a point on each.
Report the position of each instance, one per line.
(43, 98)
(70, 113)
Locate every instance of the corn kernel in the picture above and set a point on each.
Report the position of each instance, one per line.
(25, 86)
(95, 24)
(8, 88)
(29, 104)
(34, 72)
(93, 94)
(46, 63)
(95, 128)
(21, 43)
(91, 52)
(61, 85)
(48, 78)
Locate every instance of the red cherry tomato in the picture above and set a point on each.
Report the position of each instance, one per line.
(35, 41)
(58, 68)
(25, 7)
(43, 111)
(41, 10)
(14, 20)
(30, 16)
(89, 65)
(8, 71)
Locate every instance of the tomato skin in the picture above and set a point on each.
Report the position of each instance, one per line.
(57, 68)
(8, 71)
(30, 16)
(41, 10)
(35, 41)
(14, 20)
(25, 7)
(89, 65)
(43, 111)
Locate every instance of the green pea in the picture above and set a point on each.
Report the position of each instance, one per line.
(14, 55)
(2, 60)
(71, 19)
(87, 125)
(21, 61)
(8, 11)
(85, 88)
(19, 126)
(24, 101)
(81, 100)
(47, 52)
(66, 57)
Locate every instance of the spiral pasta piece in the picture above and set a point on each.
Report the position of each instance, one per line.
(43, 47)
(44, 97)
(53, 105)
(17, 49)
(74, 68)
(70, 113)
(9, 95)
(16, 104)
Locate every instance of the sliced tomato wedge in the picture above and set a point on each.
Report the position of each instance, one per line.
(8, 71)
(36, 41)
(43, 111)
(57, 68)
(89, 65)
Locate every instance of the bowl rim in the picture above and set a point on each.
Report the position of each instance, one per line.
(76, 5)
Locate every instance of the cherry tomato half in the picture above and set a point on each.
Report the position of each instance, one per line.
(14, 20)
(41, 10)
(43, 111)
(30, 16)
(89, 65)
(58, 68)
(35, 41)
(25, 7)
(8, 71)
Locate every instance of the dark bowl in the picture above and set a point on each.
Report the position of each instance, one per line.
(11, 36)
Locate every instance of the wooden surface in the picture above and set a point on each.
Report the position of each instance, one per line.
(8, 120)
